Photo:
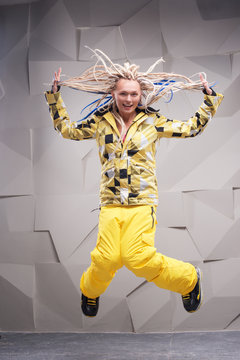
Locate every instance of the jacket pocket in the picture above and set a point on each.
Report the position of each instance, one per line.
(148, 235)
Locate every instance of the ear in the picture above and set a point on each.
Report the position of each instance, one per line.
(113, 95)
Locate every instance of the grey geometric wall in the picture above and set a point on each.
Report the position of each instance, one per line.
(49, 186)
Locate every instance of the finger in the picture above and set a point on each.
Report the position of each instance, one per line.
(59, 73)
(203, 81)
(201, 77)
(205, 84)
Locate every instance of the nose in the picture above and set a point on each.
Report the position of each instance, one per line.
(129, 97)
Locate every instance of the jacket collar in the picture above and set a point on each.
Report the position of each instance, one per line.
(139, 118)
(110, 118)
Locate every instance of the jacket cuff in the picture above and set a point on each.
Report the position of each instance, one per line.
(51, 97)
(213, 92)
(58, 89)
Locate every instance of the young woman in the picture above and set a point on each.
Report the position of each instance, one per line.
(126, 130)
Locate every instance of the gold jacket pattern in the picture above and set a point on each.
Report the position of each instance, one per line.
(128, 175)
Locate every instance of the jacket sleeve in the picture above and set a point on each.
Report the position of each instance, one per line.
(61, 121)
(195, 125)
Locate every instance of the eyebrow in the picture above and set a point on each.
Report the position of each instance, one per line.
(130, 92)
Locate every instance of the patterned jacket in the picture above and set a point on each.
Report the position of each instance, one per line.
(128, 175)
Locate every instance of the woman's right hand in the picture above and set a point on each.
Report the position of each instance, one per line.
(56, 80)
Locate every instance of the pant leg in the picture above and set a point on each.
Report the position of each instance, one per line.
(105, 257)
(140, 256)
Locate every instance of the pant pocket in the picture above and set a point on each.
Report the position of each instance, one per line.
(153, 215)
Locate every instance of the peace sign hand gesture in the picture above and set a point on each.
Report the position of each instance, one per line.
(205, 84)
(56, 80)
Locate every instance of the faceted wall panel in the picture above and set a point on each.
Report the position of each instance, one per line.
(49, 186)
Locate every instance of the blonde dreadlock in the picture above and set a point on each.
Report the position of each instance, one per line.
(104, 75)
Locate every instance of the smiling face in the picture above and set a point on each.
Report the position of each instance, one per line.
(127, 96)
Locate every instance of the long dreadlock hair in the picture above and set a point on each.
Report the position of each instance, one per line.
(102, 79)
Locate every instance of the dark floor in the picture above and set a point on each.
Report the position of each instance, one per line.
(121, 346)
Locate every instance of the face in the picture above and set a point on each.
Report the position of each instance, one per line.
(127, 96)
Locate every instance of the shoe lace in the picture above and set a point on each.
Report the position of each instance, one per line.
(186, 297)
(91, 302)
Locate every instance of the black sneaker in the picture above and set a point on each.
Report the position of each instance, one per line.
(89, 306)
(192, 300)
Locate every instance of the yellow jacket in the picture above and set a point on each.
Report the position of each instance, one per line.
(128, 175)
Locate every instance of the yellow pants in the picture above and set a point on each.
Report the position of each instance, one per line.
(126, 237)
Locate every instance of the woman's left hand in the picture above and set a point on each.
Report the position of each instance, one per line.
(205, 85)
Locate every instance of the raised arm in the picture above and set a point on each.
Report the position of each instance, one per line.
(61, 121)
(197, 123)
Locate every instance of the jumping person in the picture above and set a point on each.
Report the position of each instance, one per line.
(126, 129)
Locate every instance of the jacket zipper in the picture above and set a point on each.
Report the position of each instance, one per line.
(129, 128)
(126, 134)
